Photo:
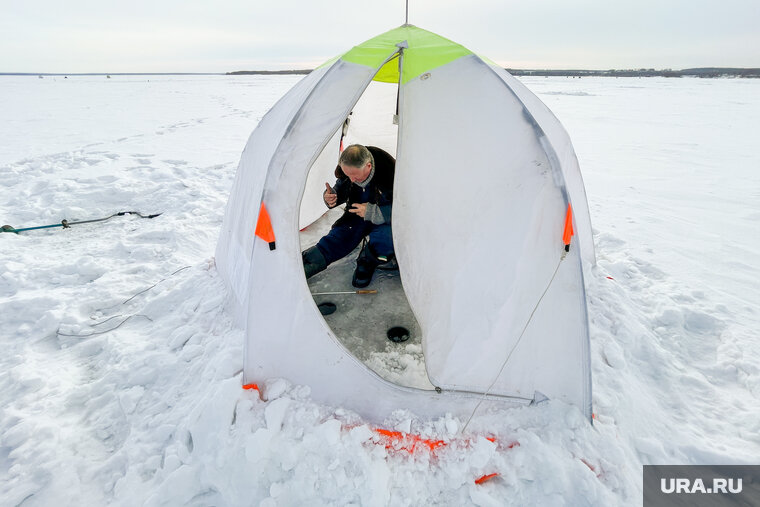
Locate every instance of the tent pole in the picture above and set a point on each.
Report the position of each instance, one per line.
(406, 21)
(398, 90)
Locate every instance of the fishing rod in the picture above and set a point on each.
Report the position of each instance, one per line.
(66, 224)
(344, 292)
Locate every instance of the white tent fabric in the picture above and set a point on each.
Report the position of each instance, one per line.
(481, 192)
(235, 246)
(559, 143)
(499, 206)
(370, 118)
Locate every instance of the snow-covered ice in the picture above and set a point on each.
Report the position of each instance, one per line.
(120, 377)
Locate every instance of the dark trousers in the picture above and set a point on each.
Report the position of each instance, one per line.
(348, 232)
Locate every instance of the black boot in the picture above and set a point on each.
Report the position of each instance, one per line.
(313, 261)
(366, 263)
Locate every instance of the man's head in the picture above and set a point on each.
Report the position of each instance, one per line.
(356, 162)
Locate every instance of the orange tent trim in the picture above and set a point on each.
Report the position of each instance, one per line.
(568, 232)
(264, 227)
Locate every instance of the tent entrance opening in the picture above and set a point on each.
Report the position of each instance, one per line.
(361, 321)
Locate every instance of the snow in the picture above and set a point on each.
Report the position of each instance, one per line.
(120, 375)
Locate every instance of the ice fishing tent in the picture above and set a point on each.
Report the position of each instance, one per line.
(485, 175)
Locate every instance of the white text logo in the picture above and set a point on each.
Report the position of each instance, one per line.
(719, 485)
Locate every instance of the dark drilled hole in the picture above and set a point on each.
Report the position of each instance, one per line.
(398, 334)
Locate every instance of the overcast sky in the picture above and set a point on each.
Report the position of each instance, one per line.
(204, 36)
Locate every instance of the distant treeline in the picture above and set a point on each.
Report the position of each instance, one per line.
(699, 72)
(53, 74)
(243, 72)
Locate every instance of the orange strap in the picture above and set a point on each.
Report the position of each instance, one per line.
(568, 232)
(486, 478)
(253, 387)
(264, 227)
(407, 441)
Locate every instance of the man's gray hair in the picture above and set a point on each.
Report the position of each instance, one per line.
(356, 155)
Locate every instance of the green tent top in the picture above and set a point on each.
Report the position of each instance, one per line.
(425, 52)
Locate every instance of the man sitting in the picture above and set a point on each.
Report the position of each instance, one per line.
(365, 183)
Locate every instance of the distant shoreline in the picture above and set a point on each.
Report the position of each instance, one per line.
(267, 72)
(702, 72)
(696, 72)
(112, 74)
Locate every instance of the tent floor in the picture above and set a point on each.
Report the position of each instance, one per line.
(361, 322)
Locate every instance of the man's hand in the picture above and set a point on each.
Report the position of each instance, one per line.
(359, 209)
(330, 197)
